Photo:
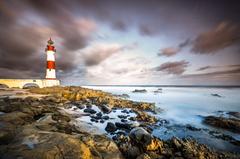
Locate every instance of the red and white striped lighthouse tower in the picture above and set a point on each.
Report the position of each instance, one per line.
(51, 70)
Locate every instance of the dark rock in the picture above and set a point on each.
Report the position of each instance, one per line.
(88, 105)
(230, 124)
(110, 127)
(96, 117)
(192, 128)
(99, 114)
(105, 109)
(123, 126)
(216, 95)
(235, 114)
(125, 111)
(89, 110)
(123, 120)
(139, 91)
(139, 135)
(132, 118)
(105, 117)
(101, 121)
(79, 106)
(122, 116)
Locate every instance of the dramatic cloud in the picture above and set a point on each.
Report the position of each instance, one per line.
(78, 27)
(22, 36)
(224, 35)
(99, 52)
(176, 68)
(170, 51)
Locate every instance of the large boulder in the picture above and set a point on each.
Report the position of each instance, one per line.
(140, 135)
(31, 143)
(110, 127)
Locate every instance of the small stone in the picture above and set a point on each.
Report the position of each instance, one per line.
(89, 110)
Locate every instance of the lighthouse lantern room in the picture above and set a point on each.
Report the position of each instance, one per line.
(50, 51)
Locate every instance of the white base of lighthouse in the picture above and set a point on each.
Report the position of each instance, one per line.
(50, 74)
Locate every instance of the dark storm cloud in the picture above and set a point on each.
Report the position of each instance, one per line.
(98, 53)
(223, 35)
(22, 41)
(176, 68)
(25, 25)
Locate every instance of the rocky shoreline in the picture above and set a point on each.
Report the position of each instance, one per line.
(36, 124)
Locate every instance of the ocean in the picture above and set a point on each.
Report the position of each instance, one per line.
(184, 107)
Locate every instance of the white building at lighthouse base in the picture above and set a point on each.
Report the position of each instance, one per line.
(22, 83)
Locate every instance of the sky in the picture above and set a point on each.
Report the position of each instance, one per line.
(123, 42)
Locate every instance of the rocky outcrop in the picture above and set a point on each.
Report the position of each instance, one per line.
(140, 144)
(230, 124)
(36, 128)
(96, 97)
(139, 91)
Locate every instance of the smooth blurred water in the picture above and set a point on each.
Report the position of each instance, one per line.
(185, 105)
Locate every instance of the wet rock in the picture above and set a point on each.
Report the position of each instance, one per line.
(105, 109)
(88, 105)
(192, 128)
(144, 117)
(140, 135)
(96, 117)
(132, 118)
(216, 95)
(139, 91)
(89, 110)
(94, 120)
(79, 106)
(125, 111)
(110, 127)
(123, 120)
(105, 117)
(230, 124)
(99, 114)
(122, 116)
(235, 114)
(124, 126)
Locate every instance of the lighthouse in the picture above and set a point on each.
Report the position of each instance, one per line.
(51, 69)
(50, 79)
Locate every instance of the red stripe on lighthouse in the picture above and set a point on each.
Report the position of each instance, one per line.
(50, 48)
(50, 64)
